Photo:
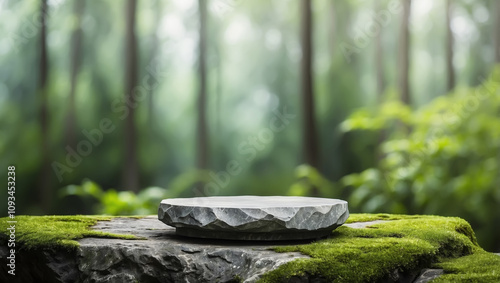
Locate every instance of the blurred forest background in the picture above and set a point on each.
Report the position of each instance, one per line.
(110, 106)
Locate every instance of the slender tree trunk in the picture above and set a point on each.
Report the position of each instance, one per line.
(153, 53)
(130, 172)
(202, 132)
(310, 149)
(379, 65)
(404, 50)
(332, 37)
(450, 71)
(46, 192)
(496, 30)
(75, 59)
(218, 131)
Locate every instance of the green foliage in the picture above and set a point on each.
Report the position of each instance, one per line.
(406, 243)
(113, 202)
(49, 232)
(443, 158)
(308, 178)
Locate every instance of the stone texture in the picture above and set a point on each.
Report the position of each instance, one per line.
(361, 225)
(165, 257)
(161, 257)
(428, 275)
(254, 217)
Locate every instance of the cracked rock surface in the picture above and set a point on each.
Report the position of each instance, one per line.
(254, 217)
(165, 257)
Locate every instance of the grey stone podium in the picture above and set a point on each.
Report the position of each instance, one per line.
(261, 218)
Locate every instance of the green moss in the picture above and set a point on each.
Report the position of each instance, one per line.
(478, 267)
(366, 255)
(349, 255)
(48, 232)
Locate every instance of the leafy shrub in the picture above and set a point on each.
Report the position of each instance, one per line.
(113, 202)
(443, 158)
(310, 180)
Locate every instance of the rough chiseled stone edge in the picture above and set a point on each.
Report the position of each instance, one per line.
(247, 219)
(255, 223)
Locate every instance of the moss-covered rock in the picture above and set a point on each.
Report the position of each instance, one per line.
(67, 248)
(48, 232)
(401, 245)
(480, 266)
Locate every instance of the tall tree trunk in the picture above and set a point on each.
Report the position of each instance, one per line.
(202, 132)
(130, 172)
(450, 71)
(75, 59)
(379, 66)
(496, 30)
(379, 60)
(404, 50)
(218, 130)
(154, 50)
(310, 149)
(309, 128)
(46, 192)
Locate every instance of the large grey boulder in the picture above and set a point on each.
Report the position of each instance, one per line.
(161, 256)
(254, 217)
(165, 257)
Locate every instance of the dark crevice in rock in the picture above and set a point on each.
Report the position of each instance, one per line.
(41, 266)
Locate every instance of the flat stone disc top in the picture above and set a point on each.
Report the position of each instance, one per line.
(254, 217)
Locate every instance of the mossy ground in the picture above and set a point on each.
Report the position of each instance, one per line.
(405, 243)
(478, 267)
(48, 232)
(349, 255)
